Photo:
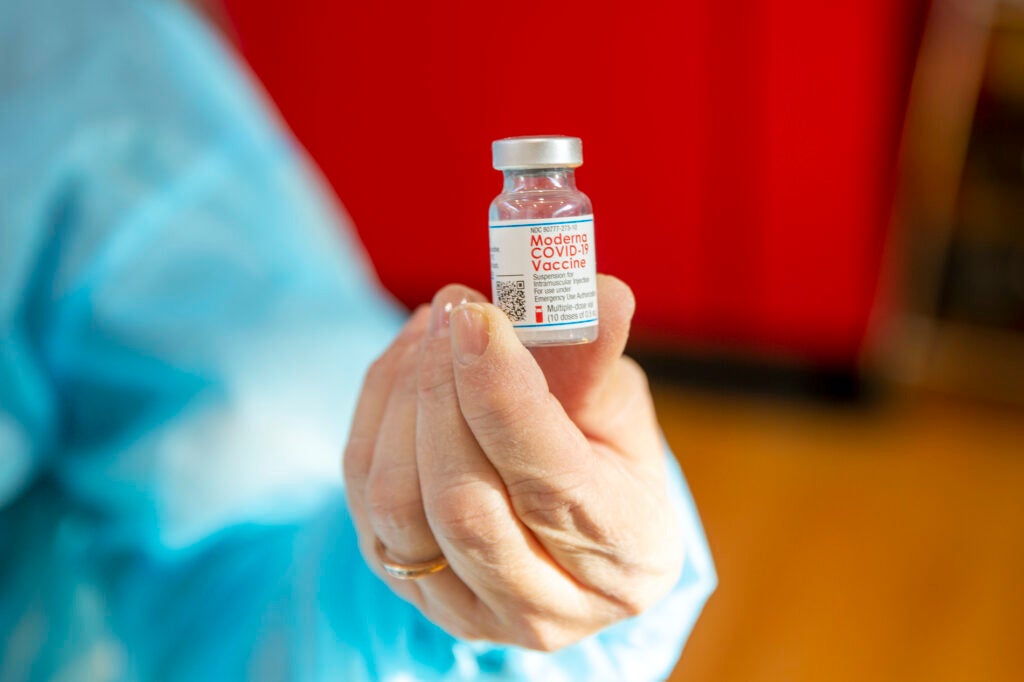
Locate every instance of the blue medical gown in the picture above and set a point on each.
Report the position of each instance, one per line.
(184, 325)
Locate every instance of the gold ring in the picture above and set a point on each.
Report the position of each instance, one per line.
(408, 571)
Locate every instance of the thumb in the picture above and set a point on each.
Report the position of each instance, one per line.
(575, 374)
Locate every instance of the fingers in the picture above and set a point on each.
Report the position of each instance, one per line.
(458, 446)
(394, 499)
(366, 424)
(572, 494)
(522, 428)
(453, 467)
(393, 485)
(465, 499)
(505, 401)
(373, 400)
(382, 484)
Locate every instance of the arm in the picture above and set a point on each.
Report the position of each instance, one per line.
(197, 327)
(197, 484)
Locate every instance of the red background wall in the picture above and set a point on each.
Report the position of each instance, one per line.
(739, 155)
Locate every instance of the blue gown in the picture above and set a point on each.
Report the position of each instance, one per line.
(184, 324)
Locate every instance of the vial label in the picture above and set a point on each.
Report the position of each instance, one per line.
(543, 271)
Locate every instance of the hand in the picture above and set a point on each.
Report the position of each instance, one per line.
(539, 476)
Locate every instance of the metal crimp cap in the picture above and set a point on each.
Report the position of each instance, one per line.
(537, 151)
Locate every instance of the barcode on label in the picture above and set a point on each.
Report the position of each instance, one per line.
(512, 298)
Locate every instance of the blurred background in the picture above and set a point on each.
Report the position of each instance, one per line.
(820, 207)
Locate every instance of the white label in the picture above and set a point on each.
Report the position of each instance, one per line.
(543, 272)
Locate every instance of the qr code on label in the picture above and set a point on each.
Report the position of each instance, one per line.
(512, 298)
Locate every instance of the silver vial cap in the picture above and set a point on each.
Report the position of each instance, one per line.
(537, 151)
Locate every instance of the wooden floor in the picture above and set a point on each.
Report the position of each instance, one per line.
(881, 543)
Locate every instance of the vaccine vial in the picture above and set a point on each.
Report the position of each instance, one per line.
(543, 272)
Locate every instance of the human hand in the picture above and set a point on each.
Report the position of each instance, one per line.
(539, 475)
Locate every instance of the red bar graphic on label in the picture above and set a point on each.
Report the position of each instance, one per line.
(539, 313)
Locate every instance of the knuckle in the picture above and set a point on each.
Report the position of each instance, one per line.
(635, 602)
(467, 515)
(628, 402)
(466, 625)
(456, 627)
(495, 416)
(434, 380)
(391, 511)
(380, 369)
(552, 502)
(542, 635)
(635, 373)
(637, 595)
(405, 369)
(638, 585)
(356, 458)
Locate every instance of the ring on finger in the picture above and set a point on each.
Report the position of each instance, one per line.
(407, 571)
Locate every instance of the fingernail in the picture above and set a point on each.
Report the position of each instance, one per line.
(441, 309)
(470, 332)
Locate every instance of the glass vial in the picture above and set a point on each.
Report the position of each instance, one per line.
(543, 272)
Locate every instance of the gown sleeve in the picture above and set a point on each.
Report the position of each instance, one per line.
(185, 320)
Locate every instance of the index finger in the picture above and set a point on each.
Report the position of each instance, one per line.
(573, 494)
